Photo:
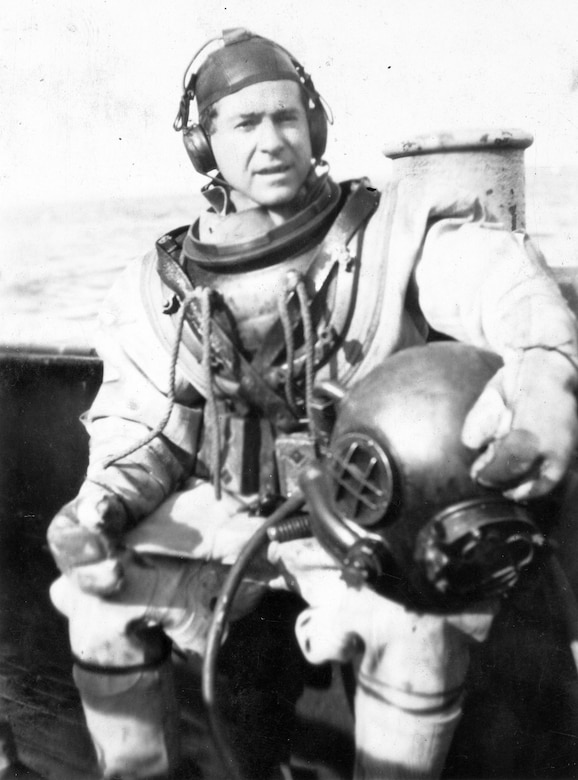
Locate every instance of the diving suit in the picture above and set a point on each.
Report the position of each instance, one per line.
(212, 347)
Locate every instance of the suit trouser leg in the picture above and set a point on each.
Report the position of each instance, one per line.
(411, 670)
(122, 669)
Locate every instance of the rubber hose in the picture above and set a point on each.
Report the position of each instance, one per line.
(219, 624)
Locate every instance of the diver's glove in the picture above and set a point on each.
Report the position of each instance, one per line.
(526, 422)
(85, 539)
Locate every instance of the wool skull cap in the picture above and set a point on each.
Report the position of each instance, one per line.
(244, 59)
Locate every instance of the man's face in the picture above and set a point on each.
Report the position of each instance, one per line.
(261, 142)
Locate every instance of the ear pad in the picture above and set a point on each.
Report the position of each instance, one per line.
(199, 149)
(318, 130)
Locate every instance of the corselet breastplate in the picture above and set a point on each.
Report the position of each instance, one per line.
(258, 300)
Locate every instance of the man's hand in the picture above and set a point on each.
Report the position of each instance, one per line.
(526, 423)
(84, 539)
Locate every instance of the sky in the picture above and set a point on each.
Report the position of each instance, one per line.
(90, 88)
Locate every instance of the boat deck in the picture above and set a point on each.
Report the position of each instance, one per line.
(521, 713)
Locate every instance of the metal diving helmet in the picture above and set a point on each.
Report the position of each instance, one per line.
(392, 499)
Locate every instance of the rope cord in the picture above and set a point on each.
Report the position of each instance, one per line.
(211, 400)
(292, 282)
(283, 308)
(308, 332)
(159, 428)
(295, 282)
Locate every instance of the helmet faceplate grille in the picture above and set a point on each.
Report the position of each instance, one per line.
(363, 478)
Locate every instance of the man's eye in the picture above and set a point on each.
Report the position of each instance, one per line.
(245, 124)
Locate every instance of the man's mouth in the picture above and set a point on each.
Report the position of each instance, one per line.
(273, 170)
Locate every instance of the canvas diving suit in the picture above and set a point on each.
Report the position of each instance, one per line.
(260, 313)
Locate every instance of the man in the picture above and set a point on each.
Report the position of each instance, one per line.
(211, 346)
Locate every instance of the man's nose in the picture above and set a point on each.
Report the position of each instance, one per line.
(270, 139)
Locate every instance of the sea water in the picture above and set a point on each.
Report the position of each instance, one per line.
(59, 259)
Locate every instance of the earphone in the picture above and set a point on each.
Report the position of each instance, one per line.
(196, 141)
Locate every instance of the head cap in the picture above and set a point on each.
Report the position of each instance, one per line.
(245, 59)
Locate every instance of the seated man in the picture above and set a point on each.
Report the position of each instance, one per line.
(211, 346)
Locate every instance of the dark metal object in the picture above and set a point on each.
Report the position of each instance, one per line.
(478, 549)
(363, 556)
(396, 465)
(363, 473)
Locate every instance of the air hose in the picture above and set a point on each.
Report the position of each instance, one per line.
(263, 535)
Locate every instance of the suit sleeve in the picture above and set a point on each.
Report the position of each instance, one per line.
(490, 287)
(134, 398)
